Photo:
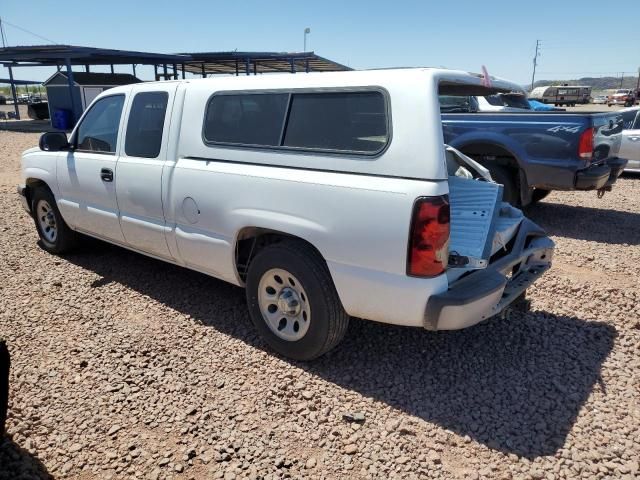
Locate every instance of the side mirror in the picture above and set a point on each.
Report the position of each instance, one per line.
(54, 142)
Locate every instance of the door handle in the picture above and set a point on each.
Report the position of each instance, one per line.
(106, 174)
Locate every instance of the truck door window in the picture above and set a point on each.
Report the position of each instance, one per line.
(98, 131)
(146, 124)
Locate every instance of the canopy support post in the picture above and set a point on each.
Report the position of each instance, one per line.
(71, 82)
(13, 93)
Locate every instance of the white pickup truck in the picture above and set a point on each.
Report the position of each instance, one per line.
(325, 195)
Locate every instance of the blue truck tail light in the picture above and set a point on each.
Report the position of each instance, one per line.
(585, 145)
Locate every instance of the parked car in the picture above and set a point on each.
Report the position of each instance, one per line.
(3, 100)
(630, 147)
(600, 99)
(534, 153)
(503, 102)
(624, 97)
(325, 195)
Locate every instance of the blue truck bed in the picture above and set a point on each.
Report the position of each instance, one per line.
(541, 151)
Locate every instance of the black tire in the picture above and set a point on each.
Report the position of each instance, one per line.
(328, 323)
(507, 178)
(539, 194)
(66, 239)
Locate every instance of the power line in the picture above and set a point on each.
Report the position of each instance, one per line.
(611, 73)
(30, 32)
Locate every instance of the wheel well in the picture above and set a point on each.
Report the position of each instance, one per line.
(489, 152)
(32, 184)
(250, 240)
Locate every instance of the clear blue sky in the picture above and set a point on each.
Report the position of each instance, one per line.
(578, 38)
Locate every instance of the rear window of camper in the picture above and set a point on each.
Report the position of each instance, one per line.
(335, 121)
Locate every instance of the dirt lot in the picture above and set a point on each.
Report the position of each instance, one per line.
(126, 367)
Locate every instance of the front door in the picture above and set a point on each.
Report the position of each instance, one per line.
(139, 171)
(86, 174)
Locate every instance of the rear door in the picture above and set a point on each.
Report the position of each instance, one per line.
(139, 170)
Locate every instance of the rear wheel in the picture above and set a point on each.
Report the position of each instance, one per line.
(293, 302)
(538, 194)
(55, 235)
(508, 179)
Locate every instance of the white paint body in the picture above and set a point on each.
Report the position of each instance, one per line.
(188, 205)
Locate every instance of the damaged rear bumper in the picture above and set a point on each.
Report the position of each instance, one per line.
(487, 292)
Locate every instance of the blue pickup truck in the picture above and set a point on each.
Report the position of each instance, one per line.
(534, 153)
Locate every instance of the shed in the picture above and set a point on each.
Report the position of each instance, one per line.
(86, 87)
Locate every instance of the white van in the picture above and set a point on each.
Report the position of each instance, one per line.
(325, 195)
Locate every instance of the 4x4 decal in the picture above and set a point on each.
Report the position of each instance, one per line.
(562, 128)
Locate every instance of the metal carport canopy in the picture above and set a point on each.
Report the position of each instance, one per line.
(236, 63)
(47, 55)
(20, 82)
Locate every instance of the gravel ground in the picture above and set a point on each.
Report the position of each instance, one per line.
(125, 367)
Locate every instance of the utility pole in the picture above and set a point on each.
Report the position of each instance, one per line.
(638, 82)
(535, 63)
(2, 35)
(621, 79)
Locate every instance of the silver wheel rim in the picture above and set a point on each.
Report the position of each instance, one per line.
(284, 304)
(47, 221)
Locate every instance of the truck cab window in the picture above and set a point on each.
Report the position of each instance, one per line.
(146, 124)
(98, 131)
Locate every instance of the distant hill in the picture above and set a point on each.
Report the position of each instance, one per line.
(598, 83)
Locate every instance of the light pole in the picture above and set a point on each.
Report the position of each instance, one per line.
(307, 31)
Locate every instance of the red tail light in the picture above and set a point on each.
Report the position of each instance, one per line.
(429, 237)
(585, 147)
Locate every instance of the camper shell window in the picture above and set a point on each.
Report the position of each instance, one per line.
(356, 122)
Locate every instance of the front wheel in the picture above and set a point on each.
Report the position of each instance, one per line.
(55, 235)
(293, 302)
